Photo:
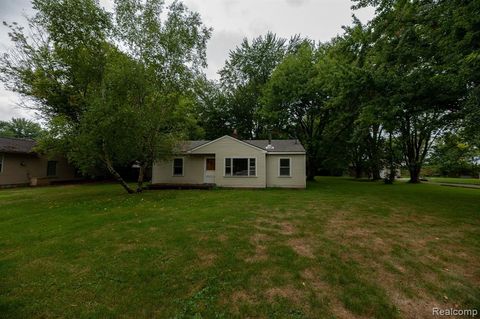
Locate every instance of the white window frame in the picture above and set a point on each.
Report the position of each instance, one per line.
(2, 162)
(289, 167)
(183, 167)
(231, 166)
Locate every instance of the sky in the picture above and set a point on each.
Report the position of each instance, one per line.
(231, 20)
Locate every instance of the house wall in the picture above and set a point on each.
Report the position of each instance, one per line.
(297, 177)
(18, 169)
(231, 148)
(267, 167)
(193, 171)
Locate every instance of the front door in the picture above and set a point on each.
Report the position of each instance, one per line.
(209, 170)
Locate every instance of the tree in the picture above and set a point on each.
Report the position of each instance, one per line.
(296, 102)
(20, 128)
(424, 86)
(454, 156)
(244, 77)
(116, 89)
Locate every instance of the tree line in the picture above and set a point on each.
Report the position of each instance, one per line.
(123, 87)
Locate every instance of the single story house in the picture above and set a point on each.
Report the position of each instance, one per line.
(20, 165)
(231, 162)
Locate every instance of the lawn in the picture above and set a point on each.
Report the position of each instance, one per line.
(340, 249)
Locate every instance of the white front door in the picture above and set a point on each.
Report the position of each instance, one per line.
(209, 170)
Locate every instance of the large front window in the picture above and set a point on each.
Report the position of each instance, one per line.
(240, 167)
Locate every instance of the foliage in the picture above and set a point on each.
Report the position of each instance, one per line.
(425, 81)
(455, 157)
(20, 128)
(116, 89)
(243, 79)
(296, 102)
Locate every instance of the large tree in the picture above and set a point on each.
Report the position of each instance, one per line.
(424, 85)
(116, 88)
(244, 77)
(20, 128)
(296, 101)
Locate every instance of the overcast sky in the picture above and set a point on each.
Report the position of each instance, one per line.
(231, 20)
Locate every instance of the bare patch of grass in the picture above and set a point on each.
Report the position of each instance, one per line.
(259, 241)
(414, 248)
(301, 247)
(287, 292)
(273, 225)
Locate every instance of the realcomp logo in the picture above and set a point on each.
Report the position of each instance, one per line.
(455, 312)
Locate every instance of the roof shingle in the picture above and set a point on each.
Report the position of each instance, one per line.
(293, 146)
(16, 145)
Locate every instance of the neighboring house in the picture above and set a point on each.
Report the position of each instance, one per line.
(230, 162)
(384, 172)
(20, 165)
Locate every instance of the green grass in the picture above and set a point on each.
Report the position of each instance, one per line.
(452, 180)
(335, 250)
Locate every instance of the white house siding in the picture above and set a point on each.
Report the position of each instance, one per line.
(193, 171)
(228, 147)
(267, 166)
(297, 177)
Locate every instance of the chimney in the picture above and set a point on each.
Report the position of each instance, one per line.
(269, 147)
(235, 133)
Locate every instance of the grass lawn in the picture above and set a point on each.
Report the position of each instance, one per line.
(340, 249)
(452, 180)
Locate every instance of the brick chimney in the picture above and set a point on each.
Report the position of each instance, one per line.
(235, 133)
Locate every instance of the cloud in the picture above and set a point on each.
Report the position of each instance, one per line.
(232, 20)
(296, 3)
(218, 49)
(9, 106)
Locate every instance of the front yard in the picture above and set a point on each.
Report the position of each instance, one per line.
(340, 249)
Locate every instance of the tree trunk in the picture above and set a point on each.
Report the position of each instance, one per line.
(376, 173)
(311, 169)
(358, 172)
(414, 173)
(141, 174)
(392, 172)
(118, 177)
(114, 173)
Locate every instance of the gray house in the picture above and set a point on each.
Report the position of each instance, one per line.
(230, 162)
(20, 165)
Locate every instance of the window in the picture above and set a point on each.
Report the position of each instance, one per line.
(240, 167)
(1, 163)
(178, 167)
(210, 164)
(51, 168)
(252, 171)
(228, 167)
(284, 167)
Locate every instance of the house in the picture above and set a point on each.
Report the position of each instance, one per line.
(231, 162)
(385, 172)
(20, 165)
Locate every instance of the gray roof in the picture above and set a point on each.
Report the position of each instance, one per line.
(16, 145)
(278, 145)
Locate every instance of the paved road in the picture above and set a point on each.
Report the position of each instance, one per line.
(455, 185)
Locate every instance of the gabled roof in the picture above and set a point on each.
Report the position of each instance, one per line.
(228, 137)
(279, 146)
(16, 145)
